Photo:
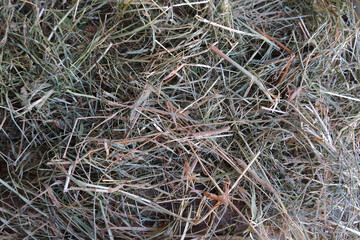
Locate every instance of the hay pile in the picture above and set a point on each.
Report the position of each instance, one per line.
(179, 120)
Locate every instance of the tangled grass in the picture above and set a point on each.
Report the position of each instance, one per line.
(179, 120)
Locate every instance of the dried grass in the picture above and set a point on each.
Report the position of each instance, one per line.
(179, 120)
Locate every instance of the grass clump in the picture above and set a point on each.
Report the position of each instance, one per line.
(179, 120)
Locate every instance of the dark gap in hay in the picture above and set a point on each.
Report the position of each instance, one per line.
(46, 28)
(308, 48)
(185, 12)
(8, 132)
(15, 70)
(2, 29)
(3, 162)
(25, 9)
(227, 219)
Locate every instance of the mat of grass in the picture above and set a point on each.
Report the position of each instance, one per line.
(179, 120)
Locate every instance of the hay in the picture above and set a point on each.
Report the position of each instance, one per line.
(179, 120)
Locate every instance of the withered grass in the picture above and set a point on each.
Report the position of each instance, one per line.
(179, 120)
